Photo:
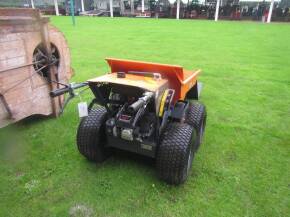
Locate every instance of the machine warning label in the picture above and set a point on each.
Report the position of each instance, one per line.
(146, 147)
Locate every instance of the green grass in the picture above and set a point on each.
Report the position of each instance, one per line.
(242, 169)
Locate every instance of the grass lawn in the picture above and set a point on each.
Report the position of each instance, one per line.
(242, 169)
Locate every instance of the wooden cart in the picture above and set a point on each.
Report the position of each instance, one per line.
(34, 59)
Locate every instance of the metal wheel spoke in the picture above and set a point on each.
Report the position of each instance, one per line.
(41, 53)
(41, 59)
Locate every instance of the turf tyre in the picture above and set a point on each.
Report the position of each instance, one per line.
(91, 137)
(175, 153)
(196, 117)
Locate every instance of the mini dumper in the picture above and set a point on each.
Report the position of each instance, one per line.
(143, 108)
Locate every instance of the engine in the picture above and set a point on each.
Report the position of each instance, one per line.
(134, 118)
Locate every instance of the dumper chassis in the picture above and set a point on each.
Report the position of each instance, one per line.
(143, 108)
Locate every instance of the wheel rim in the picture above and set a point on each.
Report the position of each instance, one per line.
(189, 159)
(201, 132)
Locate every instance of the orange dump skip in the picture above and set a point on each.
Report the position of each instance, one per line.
(179, 79)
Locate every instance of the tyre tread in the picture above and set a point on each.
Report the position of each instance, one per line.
(172, 153)
(91, 136)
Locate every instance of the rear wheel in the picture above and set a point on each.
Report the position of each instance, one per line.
(196, 117)
(175, 153)
(91, 137)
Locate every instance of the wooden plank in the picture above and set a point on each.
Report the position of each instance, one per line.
(8, 37)
(7, 80)
(33, 98)
(18, 12)
(12, 62)
(44, 32)
(19, 93)
(10, 50)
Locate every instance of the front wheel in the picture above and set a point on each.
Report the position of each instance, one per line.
(175, 153)
(91, 136)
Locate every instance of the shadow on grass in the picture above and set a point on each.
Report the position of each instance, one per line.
(33, 119)
(27, 122)
(119, 155)
(126, 162)
(132, 164)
